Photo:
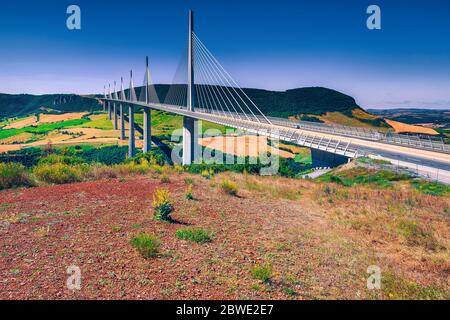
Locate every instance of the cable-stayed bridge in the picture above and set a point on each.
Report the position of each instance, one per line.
(203, 90)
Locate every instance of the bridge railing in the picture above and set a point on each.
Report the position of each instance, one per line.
(414, 141)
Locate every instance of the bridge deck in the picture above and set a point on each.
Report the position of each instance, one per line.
(436, 162)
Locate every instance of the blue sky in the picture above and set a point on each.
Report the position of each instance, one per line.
(276, 45)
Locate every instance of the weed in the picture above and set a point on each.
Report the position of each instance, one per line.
(162, 206)
(262, 272)
(165, 178)
(188, 194)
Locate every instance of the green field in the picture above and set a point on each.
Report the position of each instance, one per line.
(43, 128)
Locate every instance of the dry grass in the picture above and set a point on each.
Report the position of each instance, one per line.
(400, 127)
(281, 238)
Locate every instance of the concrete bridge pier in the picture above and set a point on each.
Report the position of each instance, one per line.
(115, 116)
(327, 159)
(122, 123)
(147, 131)
(131, 140)
(109, 111)
(190, 140)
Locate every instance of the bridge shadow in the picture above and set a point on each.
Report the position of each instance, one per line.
(156, 141)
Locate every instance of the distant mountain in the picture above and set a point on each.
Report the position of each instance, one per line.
(428, 117)
(313, 104)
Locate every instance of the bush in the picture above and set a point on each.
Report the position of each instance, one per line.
(58, 173)
(229, 187)
(194, 234)
(146, 244)
(431, 188)
(14, 175)
(162, 206)
(263, 273)
(133, 168)
(57, 158)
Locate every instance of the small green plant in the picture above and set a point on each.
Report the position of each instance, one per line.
(229, 187)
(194, 234)
(162, 206)
(189, 181)
(146, 244)
(189, 195)
(262, 272)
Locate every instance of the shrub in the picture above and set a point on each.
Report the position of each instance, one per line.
(263, 272)
(146, 244)
(58, 173)
(229, 187)
(132, 168)
(189, 194)
(194, 234)
(58, 158)
(431, 188)
(162, 206)
(14, 175)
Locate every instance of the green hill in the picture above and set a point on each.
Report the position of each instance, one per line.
(313, 104)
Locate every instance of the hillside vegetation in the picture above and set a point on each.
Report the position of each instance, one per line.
(303, 103)
(25, 104)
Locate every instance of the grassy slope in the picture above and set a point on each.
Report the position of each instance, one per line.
(318, 249)
(19, 105)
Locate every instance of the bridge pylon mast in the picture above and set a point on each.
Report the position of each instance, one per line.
(147, 113)
(190, 125)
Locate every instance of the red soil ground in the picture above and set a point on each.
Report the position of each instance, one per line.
(44, 230)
